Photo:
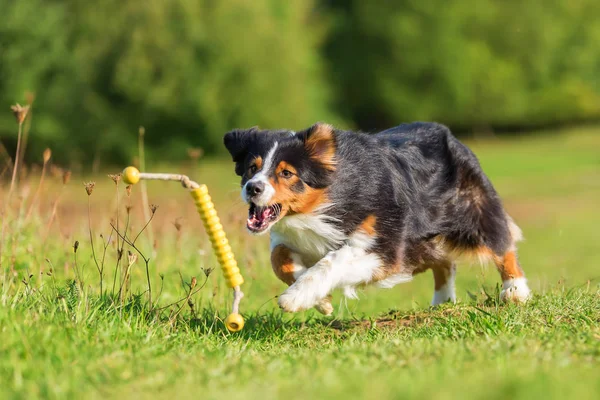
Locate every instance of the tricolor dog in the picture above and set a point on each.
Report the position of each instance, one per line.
(347, 209)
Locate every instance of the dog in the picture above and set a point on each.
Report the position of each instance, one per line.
(347, 209)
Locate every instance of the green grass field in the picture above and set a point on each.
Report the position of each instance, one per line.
(59, 339)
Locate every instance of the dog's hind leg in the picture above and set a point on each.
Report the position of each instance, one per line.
(514, 284)
(444, 273)
(288, 267)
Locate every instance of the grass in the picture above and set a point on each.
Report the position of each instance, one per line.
(60, 339)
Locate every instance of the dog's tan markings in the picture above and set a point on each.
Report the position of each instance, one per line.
(258, 163)
(294, 202)
(308, 201)
(320, 145)
(282, 263)
(384, 272)
(284, 194)
(508, 266)
(298, 203)
(368, 225)
(447, 249)
(282, 166)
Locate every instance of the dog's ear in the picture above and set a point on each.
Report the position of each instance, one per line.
(237, 142)
(319, 141)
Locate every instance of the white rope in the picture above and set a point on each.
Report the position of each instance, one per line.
(185, 181)
(237, 297)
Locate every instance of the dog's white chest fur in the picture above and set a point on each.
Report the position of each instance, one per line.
(309, 235)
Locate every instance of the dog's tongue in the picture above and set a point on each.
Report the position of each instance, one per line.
(260, 215)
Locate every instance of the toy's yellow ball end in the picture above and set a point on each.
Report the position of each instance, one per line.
(234, 322)
(131, 175)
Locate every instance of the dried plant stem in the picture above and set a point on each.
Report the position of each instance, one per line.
(106, 244)
(117, 194)
(176, 313)
(10, 190)
(120, 253)
(76, 268)
(146, 260)
(143, 228)
(149, 285)
(16, 230)
(53, 214)
(186, 297)
(144, 190)
(98, 266)
(37, 192)
(27, 128)
(124, 282)
(16, 165)
(119, 249)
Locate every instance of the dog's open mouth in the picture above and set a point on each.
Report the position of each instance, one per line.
(259, 218)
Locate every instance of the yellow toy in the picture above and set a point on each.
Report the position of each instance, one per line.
(212, 224)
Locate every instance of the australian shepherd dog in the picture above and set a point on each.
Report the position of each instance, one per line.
(347, 209)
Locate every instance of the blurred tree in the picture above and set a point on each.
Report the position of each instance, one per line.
(471, 63)
(187, 70)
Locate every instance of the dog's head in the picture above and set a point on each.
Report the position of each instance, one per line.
(283, 172)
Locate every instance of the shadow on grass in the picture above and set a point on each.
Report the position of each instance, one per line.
(275, 323)
(209, 321)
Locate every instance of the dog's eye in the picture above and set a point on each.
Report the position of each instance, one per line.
(286, 174)
(252, 169)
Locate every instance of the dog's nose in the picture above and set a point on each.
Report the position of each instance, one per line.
(255, 188)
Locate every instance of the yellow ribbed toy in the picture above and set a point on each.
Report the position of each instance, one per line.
(234, 322)
(215, 231)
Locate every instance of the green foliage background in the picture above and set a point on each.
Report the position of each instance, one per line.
(189, 70)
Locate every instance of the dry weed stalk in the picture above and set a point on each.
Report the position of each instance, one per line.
(46, 158)
(29, 98)
(121, 249)
(126, 281)
(192, 290)
(20, 114)
(76, 267)
(66, 177)
(131, 243)
(89, 189)
(144, 189)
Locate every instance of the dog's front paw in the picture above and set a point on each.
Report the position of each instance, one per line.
(294, 300)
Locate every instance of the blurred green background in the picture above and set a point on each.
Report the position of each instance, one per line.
(189, 70)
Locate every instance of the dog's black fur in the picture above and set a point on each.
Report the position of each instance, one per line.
(426, 190)
(421, 183)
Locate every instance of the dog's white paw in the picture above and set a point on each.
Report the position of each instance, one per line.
(297, 298)
(291, 302)
(515, 290)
